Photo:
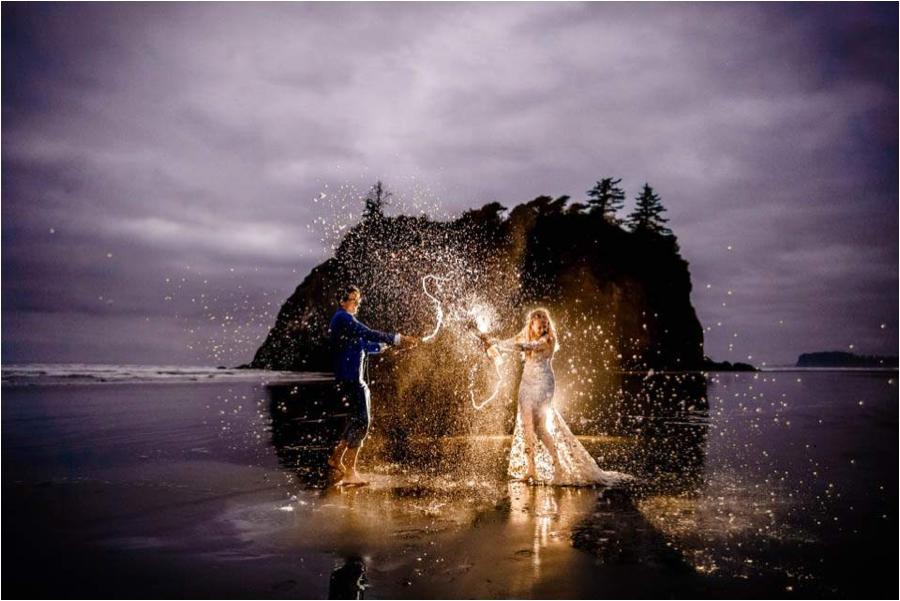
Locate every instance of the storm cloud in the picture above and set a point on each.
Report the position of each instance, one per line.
(160, 161)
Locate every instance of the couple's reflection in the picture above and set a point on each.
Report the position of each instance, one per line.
(349, 581)
(548, 514)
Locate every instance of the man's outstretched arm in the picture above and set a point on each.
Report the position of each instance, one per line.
(357, 330)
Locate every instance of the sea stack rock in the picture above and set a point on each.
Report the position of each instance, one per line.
(620, 301)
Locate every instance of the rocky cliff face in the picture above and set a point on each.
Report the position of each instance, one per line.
(620, 300)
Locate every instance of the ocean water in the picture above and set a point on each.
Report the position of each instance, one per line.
(189, 482)
(74, 373)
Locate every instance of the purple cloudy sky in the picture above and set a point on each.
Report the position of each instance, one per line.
(146, 142)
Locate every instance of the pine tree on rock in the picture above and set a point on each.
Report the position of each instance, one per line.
(605, 198)
(647, 215)
(376, 200)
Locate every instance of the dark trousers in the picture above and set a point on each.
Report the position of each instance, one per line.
(354, 395)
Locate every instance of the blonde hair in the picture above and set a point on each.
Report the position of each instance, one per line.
(548, 328)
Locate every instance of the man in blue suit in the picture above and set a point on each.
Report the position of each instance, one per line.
(351, 343)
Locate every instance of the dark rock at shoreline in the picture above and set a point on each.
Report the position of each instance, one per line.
(620, 300)
(844, 359)
(614, 293)
(710, 365)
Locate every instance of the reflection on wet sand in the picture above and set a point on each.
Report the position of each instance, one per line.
(428, 496)
(779, 486)
(349, 580)
(440, 518)
(549, 512)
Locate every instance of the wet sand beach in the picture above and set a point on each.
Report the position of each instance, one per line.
(772, 484)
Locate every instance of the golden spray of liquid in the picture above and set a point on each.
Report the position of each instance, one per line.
(481, 322)
(437, 304)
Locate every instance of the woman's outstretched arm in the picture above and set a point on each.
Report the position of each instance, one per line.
(510, 345)
(541, 344)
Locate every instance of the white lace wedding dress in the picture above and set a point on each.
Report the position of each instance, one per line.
(576, 466)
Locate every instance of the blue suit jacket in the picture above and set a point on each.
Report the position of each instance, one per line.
(351, 341)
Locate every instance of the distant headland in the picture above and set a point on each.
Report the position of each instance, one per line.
(844, 359)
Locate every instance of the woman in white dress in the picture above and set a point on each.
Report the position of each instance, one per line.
(544, 449)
